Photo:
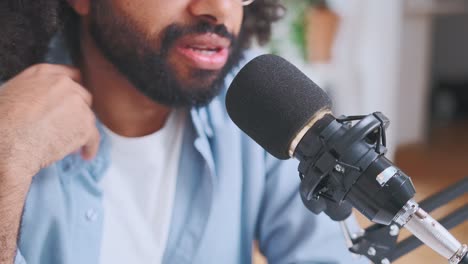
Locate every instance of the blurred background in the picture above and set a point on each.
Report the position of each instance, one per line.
(405, 58)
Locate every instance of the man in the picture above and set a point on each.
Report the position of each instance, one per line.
(163, 176)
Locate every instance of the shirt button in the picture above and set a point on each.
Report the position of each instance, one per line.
(91, 215)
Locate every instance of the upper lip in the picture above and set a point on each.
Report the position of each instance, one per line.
(205, 41)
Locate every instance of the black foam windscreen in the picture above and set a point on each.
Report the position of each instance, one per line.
(271, 101)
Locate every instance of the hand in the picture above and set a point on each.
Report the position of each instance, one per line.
(45, 114)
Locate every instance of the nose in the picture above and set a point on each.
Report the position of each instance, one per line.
(214, 11)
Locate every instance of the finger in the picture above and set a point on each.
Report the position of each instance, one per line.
(69, 71)
(83, 93)
(90, 150)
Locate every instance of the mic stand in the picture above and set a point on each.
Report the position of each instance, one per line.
(379, 242)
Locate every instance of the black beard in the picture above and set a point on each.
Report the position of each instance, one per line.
(148, 69)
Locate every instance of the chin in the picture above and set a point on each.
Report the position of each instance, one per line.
(200, 78)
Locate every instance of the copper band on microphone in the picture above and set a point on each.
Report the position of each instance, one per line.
(319, 115)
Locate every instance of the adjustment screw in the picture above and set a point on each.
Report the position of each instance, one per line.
(394, 230)
(339, 168)
(371, 251)
(385, 261)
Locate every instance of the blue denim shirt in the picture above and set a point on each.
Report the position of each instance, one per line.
(229, 192)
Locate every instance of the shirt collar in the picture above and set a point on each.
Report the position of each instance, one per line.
(74, 163)
(201, 119)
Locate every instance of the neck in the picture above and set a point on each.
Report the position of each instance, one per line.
(116, 102)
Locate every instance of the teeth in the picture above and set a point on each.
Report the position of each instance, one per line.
(207, 52)
(203, 51)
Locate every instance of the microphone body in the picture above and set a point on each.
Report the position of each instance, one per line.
(343, 166)
(342, 160)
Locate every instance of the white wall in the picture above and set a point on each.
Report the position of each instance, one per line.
(367, 60)
(414, 87)
(434, 43)
(382, 61)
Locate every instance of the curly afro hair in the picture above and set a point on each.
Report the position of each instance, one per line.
(258, 20)
(27, 26)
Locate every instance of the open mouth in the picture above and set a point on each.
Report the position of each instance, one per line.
(206, 51)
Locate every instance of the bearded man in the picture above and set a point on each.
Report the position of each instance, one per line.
(127, 155)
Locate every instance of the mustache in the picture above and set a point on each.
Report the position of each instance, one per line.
(175, 31)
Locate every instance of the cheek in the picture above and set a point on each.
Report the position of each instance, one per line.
(237, 17)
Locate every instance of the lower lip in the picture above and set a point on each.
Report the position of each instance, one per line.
(203, 61)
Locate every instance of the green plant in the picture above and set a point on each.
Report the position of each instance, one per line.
(298, 32)
(298, 25)
(295, 21)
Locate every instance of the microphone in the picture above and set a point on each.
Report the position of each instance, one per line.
(342, 160)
